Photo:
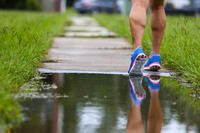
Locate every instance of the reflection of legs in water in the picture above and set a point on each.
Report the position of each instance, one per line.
(135, 124)
(155, 116)
(137, 94)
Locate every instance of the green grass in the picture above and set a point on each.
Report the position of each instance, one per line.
(180, 47)
(182, 94)
(24, 39)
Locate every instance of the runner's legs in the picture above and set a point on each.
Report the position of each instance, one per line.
(158, 22)
(137, 20)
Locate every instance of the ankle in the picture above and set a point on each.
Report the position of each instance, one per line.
(155, 53)
(134, 48)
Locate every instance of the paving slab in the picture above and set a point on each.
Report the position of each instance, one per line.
(83, 21)
(91, 34)
(87, 67)
(85, 28)
(93, 43)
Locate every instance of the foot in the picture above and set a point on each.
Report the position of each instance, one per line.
(137, 93)
(153, 82)
(153, 63)
(138, 58)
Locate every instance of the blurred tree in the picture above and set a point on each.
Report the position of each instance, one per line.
(33, 4)
(20, 4)
(70, 3)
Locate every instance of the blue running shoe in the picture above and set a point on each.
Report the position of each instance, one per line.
(153, 82)
(137, 93)
(153, 63)
(138, 58)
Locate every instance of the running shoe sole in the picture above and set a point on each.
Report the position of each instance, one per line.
(137, 66)
(153, 67)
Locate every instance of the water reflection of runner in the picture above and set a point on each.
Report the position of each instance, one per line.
(155, 116)
(137, 25)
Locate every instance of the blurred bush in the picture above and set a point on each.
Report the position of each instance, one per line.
(20, 4)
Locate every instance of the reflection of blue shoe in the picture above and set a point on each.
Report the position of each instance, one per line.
(138, 58)
(153, 63)
(137, 93)
(153, 82)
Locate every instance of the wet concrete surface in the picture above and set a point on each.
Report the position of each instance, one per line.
(95, 54)
(90, 34)
(85, 28)
(101, 51)
(89, 103)
(83, 21)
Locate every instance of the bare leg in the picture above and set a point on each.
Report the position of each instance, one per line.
(137, 20)
(155, 116)
(135, 124)
(158, 22)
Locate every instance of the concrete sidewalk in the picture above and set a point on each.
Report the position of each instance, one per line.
(88, 48)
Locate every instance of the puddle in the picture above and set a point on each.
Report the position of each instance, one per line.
(89, 103)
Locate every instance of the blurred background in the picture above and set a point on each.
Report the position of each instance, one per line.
(186, 7)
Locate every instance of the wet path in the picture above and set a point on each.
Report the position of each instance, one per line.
(85, 103)
(87, 47)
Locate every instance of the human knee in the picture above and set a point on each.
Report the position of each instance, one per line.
(141, 4)
(156, 4)
(157, 7)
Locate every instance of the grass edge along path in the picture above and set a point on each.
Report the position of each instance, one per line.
(25, 37)
(180, 47)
